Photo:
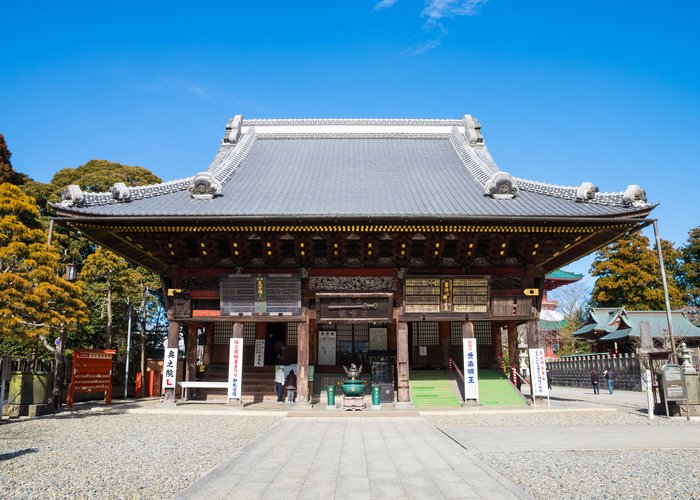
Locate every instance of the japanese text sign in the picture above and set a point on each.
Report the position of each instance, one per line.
(471, 373)
(235, 368)
(170, 368)
(538, 370)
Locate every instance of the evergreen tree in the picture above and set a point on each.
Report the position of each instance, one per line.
(628, 275)
(34, 300)
(109, 283)
(98, 176)
(691, 267)
(7, 173)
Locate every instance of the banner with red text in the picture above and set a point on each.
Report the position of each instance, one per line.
(235, 368)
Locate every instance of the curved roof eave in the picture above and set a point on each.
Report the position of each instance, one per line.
(459, 142)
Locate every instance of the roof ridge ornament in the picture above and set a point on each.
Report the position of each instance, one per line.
(586, 191)
(72, 195)
(204, 186)
(635, 196)
(233, 130)
(472, 129)
(120, 191)
(500, 186)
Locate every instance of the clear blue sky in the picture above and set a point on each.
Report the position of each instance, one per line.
(566, 91)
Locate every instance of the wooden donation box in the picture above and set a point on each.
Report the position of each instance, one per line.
(92, 372)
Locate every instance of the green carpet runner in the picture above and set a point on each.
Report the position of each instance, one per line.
(434, 388)
(496, 390)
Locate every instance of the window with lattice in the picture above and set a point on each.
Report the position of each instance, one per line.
(426, 333)
(223, 332)
(361, 332)
(352, 342)
(292, 333)
(248, 333)
(456, 333)
(482, 332)
(344, 332)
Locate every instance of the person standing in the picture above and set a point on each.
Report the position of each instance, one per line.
(279, 382)
(291, 387)
(595, 380)
(610, 377)
(549, 379)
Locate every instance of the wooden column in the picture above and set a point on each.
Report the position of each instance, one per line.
(209, 349)
(173, 343)
(496, 344)
(513, 345)
(467, 330)
(445, 343)
(191, 351)
(533, 341)
(303, 360)
(404, 394)
(237, 331)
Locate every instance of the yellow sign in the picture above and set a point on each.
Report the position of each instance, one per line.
(531, 291)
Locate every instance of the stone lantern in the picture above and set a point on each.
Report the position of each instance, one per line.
(684, 356)
(522, 354)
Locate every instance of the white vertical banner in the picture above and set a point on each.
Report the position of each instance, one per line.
(650, 395)
(471, 372)
(235, 368)
(538, 372)
(259, 358)
(170, 368)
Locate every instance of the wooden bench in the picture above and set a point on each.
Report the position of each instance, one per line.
(201, 384)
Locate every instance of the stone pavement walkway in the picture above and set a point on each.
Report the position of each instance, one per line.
(362, 458)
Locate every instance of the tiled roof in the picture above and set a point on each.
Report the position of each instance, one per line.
(560, 274)
(356, 168)
(630, 321)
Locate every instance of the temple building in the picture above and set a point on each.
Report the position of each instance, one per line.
(616, 330)
(323, 242)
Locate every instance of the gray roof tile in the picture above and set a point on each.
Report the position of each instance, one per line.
(357, 175)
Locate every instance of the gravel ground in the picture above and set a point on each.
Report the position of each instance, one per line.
(117, 455)
(610, 474)
(581, 474)
(91, 454)
(559, 418)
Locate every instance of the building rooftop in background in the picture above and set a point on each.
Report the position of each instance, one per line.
(608, 324)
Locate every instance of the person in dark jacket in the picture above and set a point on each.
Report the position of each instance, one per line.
(610, 377)
(595, 380)
(291, 387)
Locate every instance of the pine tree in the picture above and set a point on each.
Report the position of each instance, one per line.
(629, 276)
(34, 300)
(691, 267)
(7, 173)
(108, 281)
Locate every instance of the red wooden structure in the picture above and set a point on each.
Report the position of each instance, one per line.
(92, 372)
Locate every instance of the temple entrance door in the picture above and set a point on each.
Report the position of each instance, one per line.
(274, 343)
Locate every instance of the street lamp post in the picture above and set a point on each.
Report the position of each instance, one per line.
(665, 286)
(128, 352)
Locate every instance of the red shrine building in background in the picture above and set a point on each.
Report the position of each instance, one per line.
(323, 242)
